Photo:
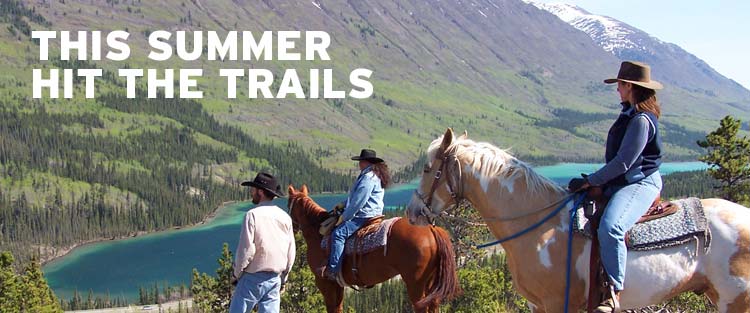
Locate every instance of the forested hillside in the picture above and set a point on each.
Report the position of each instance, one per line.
(73, 170)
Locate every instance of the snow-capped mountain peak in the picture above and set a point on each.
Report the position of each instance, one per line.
(612, 35)
(673, 65)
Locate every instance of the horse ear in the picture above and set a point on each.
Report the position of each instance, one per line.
(290, 189)
(304, 189)
(447, 139)
(465, 135)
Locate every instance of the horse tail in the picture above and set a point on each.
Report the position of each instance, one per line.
(444, 286)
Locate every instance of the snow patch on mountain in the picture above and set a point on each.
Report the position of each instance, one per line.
(610, 34)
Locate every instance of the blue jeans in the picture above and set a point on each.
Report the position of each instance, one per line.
(338, 240)
(261, 288)
(626, 205)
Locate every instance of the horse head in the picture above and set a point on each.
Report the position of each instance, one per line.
(304, 211)
(440, 187)
(459, 168)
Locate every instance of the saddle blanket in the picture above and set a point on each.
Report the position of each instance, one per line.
(370, 241)
(687, 224)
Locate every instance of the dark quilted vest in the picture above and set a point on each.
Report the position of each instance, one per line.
(649, 160)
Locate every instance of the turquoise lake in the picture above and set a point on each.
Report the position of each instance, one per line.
(120, 267)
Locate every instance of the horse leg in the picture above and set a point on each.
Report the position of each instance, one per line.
(417, 289)
(333, 295)
(729, 280)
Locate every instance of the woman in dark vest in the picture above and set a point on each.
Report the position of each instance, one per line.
(631, 175)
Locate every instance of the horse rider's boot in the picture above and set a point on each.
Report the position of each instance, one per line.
(611, 302)
(324, 272)
(330, 275)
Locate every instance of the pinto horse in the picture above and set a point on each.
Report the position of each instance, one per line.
(423, 256)
(511, 197)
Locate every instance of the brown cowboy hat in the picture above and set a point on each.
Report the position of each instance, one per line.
(369, 155)
(265, 181)
(635, 73)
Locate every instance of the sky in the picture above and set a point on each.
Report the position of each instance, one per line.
(716, 31)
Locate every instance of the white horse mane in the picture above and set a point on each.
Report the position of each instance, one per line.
(491, 161)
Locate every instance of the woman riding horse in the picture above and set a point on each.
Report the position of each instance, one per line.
(631, 176)
(422, 256)
(530, 213)
(365, 201)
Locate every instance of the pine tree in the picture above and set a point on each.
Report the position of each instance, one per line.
(9, 284)
(90, 300)
(37, 296)
(213, 294)
(156, 294)
(224, 276)
(301, 293)
(204, 298)
(729, 159)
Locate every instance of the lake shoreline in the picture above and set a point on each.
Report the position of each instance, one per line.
(196, 248)
(58, 253)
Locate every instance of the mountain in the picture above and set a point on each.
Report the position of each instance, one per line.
(504, 70)
(672, 64)
(491, 67)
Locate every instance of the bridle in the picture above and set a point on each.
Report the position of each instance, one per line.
(456, 192)
(290, 206)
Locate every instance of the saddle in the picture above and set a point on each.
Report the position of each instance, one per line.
(593, 208)
(595, 198)
(372, 235)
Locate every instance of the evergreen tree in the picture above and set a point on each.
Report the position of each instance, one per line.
(212, 295)
(301, 294)
(37, 296)
(481, 292)
(205, 300)
(142, 296)
(90, 300)
(224, 276)
(9, 284)
(728, 156)
(155, 299)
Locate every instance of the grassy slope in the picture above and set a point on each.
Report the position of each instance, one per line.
(434, 66)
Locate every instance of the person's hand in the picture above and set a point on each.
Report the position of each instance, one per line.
(234, 281)
(282, 289)
(339, 207)
(341, 220)
(578, 184)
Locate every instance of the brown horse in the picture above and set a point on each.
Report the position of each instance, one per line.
(423, 256)
(511, 197)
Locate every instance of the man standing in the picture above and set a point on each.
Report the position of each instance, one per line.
(265, 252)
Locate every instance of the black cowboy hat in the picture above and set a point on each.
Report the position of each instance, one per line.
(368, 155)
(265, 181)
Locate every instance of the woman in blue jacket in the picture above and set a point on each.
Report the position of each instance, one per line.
(365, 201)
(631, 175)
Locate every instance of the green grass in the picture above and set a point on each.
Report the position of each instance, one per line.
(410, 108)
(40, 189)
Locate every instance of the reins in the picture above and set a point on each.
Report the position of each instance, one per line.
(535, 225)
(427, 212)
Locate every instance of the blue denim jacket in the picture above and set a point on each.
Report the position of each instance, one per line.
(366, 197)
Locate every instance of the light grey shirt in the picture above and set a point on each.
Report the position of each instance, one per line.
(266, 242)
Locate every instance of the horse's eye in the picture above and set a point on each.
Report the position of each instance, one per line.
(427, 168)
